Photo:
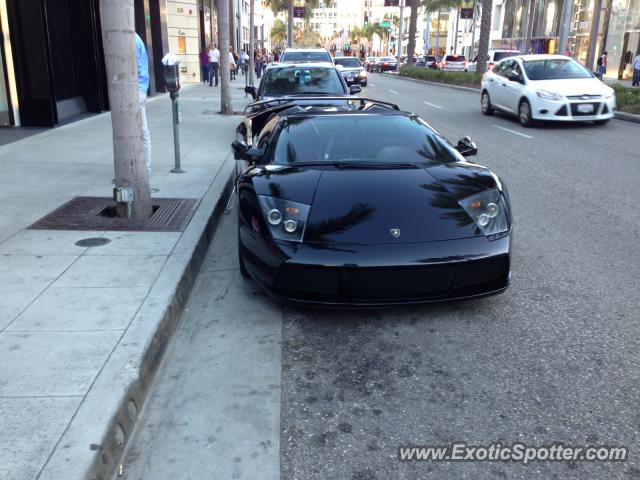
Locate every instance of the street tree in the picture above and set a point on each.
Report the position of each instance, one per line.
(225, 64)
(278, 32)
(118, 31)
(278, 6)
(485, 31)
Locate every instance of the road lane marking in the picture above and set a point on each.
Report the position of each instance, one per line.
(433, 105)
(512, 131)
(393, 91)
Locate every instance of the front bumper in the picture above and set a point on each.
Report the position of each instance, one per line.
(569, 110)
(378, 275)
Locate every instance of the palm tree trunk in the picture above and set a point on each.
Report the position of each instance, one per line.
(226, 108)
(485, 30)
(290, 26)
(413, 27)
(118, 33)
(252, 40)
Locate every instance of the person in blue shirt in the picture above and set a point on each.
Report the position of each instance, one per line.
(636, 71)
(143, 86)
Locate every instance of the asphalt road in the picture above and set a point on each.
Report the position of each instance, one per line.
(251, 389)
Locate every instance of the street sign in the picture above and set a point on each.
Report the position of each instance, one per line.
(391, 3)
(385, 24)
(298, 12)
(466, 9)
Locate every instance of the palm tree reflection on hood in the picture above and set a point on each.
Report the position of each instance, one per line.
(443, 200)
(318, 232)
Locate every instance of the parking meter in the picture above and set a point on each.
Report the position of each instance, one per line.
(172, 78)
(171, 64)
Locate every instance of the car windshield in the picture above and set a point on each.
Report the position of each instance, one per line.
(455, 58)
(429, 58)
(296, 80)
(305, 57)
(360, 138)
(497, 56)
(555, 69)
(388, 59)
(348, 62)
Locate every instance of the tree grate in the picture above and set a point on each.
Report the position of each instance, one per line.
(99, 214)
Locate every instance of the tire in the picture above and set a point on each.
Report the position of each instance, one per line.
(243, 269)
(485, 104)
(364, 84)
(601, 122)
(524, 114)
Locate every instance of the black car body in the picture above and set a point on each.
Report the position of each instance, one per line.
(385, 64)
(384, 224)
(352, 70)
(298, 79)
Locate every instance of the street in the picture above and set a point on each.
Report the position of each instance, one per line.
(251, 389)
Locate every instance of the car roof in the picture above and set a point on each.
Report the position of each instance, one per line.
(275, 65)
(542, 56)
(316, 49)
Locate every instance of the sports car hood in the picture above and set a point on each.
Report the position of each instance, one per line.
(360, 206)
(577, 86)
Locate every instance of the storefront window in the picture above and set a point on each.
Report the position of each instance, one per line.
(623, 38)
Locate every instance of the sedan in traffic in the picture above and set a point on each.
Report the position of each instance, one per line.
(352, 70)
(367, 207)
(546, 88)
(386, 64)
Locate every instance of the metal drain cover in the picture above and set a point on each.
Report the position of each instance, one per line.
(93, 242)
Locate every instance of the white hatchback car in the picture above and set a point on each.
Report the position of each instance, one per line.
(546, 87)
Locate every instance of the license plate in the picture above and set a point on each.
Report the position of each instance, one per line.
(585, 108)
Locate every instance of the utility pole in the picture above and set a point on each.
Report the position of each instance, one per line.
(455, 33)
(118, 33)
(290, 25)
(400, 36)
(565, 19)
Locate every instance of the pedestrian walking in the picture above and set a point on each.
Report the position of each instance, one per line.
(243, 62)
(602, 65)
(232, 64)
(142, 61)
(204, 66)
(636, 71)
(214, 64)
(258, 63)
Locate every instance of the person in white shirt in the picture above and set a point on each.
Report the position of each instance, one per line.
(214, 64)
(232, 64)
(636, 71)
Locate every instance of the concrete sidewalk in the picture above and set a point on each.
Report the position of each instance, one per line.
(82, 328)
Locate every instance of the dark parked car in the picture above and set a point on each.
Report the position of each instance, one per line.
(385, 64)
(352, 70)
(370, 62)
(366, 207)
(304, 79)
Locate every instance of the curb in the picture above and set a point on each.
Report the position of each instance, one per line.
(121, 425)
(624, 116)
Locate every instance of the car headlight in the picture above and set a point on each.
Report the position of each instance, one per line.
(489, 211)
(363, 73)
(548, 95)
(286, 219)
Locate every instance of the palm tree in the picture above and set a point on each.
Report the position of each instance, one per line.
(485, 31)
(429, 6)
(278, 32)
(118, 31)
(225, 64)
(278, 6)
(252, 40)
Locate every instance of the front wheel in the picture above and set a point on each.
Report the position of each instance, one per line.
(524, 114)
(485, 103)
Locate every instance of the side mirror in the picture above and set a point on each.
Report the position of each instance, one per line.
(354, 89)
(245, 152)
(467, 147)
(514, 77)
(251, 90)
